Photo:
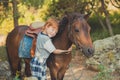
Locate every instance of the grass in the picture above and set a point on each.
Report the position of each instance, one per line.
(3, 53)
(104, 74)
(100, 34)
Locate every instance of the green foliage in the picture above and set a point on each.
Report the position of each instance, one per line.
(96, 29)
(60, 7)
(32, 10)
(99, 34)
(104, 74)
(17, 77)
(6, 26)
(34, 3)
(94, 22)
(3, 55)
(115, 21)
(6, 19)
(115, 18)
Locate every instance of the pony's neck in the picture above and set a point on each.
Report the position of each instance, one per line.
(62, 41)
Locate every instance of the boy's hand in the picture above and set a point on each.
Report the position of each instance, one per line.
(69, 50)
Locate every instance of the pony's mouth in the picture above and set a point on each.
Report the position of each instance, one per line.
(87, 51)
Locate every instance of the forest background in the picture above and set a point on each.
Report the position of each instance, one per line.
(104, 19)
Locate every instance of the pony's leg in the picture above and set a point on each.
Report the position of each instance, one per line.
(27, 67)
(57, 74)
(15, 67)
(61, 73)
(14, 64)
(53, 73)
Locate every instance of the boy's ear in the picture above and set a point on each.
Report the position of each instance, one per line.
(46, 25)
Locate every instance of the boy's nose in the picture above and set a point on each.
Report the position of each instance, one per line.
(53, 32)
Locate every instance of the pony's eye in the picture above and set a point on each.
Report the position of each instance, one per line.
(76, 30)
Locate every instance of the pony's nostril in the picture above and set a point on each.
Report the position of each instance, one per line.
(91, 51)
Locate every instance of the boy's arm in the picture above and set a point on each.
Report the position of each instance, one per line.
(59, 51)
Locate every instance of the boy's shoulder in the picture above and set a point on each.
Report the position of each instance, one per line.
(43, 37)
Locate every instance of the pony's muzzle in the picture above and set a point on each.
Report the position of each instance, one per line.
(88, 51)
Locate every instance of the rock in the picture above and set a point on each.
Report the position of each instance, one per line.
(4, 70)
(107, 53)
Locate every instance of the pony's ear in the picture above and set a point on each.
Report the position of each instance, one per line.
(86, 16)
(64, 21)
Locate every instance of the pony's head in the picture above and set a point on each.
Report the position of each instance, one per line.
(79, 32)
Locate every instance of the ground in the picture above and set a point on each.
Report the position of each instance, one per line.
(77, 70)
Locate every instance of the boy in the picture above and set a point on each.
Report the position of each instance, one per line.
(44, 47)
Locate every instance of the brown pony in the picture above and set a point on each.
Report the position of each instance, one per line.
(73, 29)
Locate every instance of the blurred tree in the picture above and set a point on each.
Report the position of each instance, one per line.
(15, 13)
(42, 9)
(3, 9)
(100, 7)
(115, 3)
(59, 7)
(29, 3)
(5, 3)
(106, 17)
(96, 8)
(33, 3)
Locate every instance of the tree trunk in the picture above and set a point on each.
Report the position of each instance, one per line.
(107, 18)
(100, 20)
(15, 13)
(109, 26)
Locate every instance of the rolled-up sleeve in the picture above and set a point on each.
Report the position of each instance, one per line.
(49, 46)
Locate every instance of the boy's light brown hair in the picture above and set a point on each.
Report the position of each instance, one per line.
(51, 22)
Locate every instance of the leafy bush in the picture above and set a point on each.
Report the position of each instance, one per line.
(96, 29)
(103, 74)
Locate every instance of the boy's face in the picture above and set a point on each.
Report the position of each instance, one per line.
(51, 31)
